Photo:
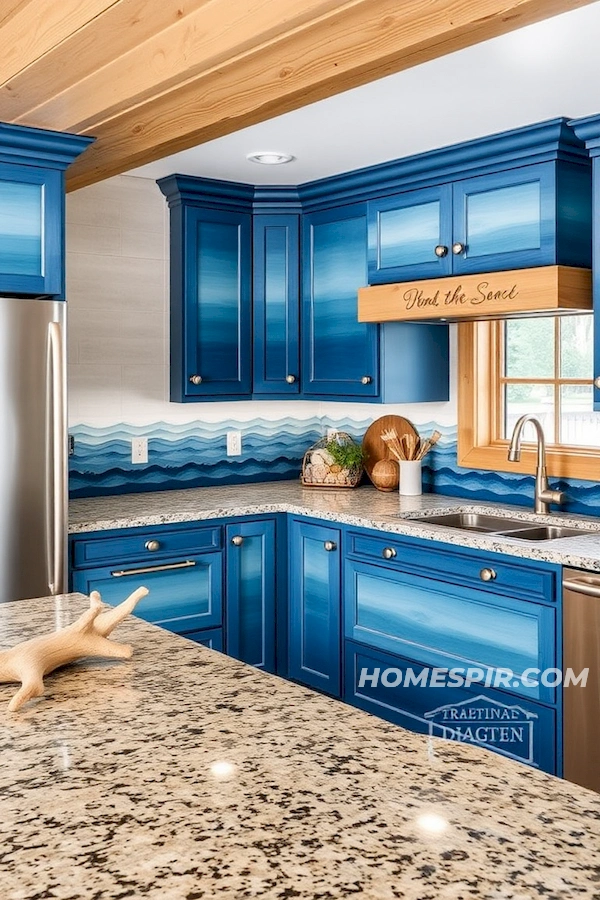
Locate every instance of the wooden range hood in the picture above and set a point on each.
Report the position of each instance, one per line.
(543, 291)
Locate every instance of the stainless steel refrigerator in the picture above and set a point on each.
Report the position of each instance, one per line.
(33, 448)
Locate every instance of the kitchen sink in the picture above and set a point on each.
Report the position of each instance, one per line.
(544, 533)
(501, 526)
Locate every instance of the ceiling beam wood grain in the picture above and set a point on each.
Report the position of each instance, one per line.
(148, 79)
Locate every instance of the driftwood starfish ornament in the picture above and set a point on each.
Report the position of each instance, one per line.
(30, 661)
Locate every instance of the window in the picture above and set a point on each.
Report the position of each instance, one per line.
(540, 366)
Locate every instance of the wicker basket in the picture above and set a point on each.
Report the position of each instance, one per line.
(320, 470)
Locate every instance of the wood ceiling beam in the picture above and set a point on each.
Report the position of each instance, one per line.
(35, 27)
(204, 34)
(149, 79)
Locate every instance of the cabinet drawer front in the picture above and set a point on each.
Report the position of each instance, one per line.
(208, 637)
(185, 595)
(112, 550)
(513, 727)
(444, 625)
(519, 579)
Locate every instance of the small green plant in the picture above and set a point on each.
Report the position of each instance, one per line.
(345, 452)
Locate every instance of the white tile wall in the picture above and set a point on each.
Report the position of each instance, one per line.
(118, 301)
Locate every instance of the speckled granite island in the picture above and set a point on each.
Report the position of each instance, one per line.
(182, 774)
(364, 507)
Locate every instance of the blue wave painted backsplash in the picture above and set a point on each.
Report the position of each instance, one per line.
(193, 455)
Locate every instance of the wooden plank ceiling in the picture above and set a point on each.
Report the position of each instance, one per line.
(148, 78)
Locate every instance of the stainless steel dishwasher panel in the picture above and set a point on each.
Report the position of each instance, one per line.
(581, 650)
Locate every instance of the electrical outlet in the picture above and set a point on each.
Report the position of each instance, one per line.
(234, 443)
(331, 433)
(139, 450)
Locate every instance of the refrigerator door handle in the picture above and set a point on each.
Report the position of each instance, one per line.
(56, 506)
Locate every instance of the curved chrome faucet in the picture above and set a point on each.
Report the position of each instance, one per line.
(543, 495)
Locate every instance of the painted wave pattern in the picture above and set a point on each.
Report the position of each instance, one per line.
(194, 456)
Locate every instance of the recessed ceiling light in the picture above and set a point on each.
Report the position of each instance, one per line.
(269, 157)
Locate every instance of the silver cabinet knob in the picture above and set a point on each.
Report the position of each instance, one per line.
(441, 250)
(152, 546)
(487, 574)
(597, 382)
(237, 540)
(291, 379)
(330, 545)
(458, 248)
(366, 379)
(388, 553)
(196, 379)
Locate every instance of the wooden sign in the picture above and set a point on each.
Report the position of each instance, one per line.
(498, 295)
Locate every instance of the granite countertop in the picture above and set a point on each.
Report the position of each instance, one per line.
(364, 507)
(182, 774)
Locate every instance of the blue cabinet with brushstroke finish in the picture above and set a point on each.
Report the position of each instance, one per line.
(276, 299)
(211, 288)
(476, 618)
(588, 129)
(528, 216)
(185, 594)
(32, 209)
(314, 643)
(250, 585)
(351, 360)
(390, 686)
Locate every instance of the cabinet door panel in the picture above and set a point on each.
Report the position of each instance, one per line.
(217, 302)
(339, 351)
(181, 599)
(506, 220)
(513, 727)
(31, 231)
(443, 624)
(314, 604)
(404, 232)
(251, 593)
(276, 305)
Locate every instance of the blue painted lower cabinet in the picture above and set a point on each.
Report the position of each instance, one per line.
(314, 605)
(208, 637)
(185, 596)
(250, 588)
(399, 690)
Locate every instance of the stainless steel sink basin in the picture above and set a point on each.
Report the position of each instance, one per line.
(500, 525)
(544, 533)
(473, 522)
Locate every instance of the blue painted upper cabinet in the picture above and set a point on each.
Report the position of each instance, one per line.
(341, 354)
(410, 235)
(536, 212)
(32, 229)
(211, 289)
(250, 585)
(314, 605)
(276, 289)
(588, 130)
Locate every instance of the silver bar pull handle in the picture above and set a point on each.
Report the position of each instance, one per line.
(591, 588)
(56, 456)
(143, 571)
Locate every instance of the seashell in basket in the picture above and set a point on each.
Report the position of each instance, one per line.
(321, 458)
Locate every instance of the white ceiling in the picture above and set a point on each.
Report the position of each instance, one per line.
(545, 70)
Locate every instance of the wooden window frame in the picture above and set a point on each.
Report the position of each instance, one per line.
(479, 414)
